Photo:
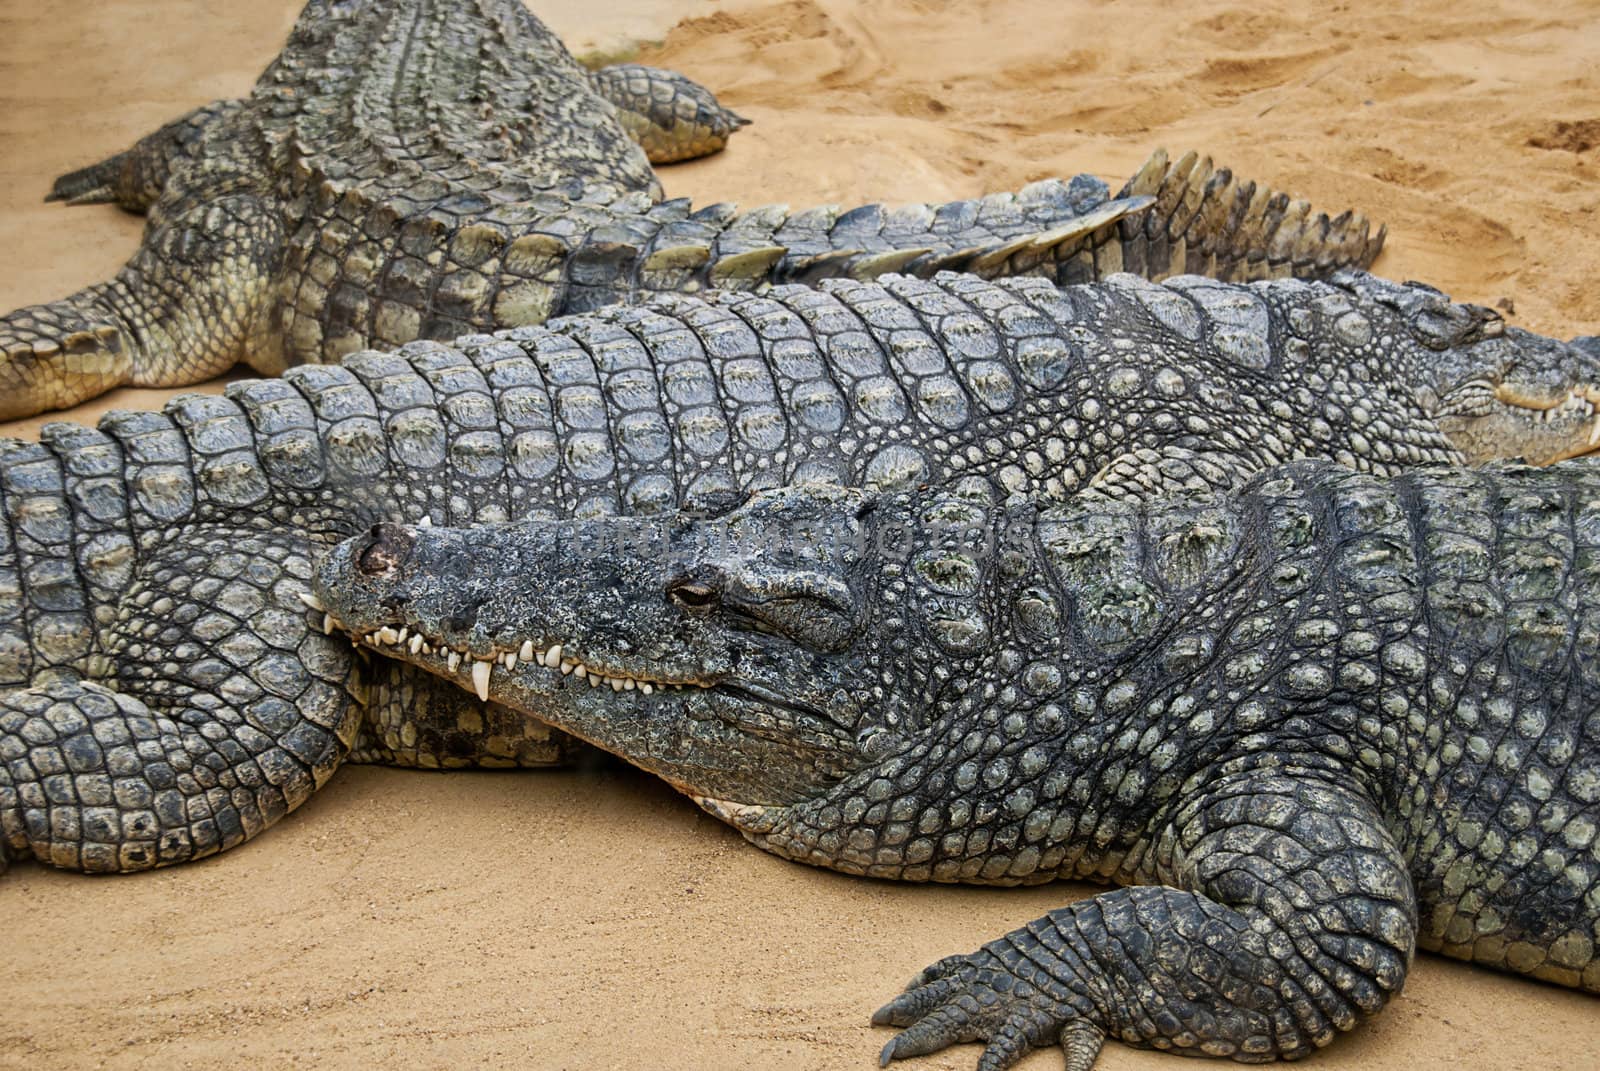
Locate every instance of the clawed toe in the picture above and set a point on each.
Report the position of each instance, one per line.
(976, 998)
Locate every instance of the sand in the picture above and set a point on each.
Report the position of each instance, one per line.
(592, 918)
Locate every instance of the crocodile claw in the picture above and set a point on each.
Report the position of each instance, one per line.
(980, 998)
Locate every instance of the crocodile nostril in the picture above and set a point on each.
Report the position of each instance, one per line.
(387, 546)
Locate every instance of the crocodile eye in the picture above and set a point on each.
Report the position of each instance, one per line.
(693, 595)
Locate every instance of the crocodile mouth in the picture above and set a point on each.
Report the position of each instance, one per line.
(1582, 402)
(1501, 420)
(401, 641)
(480, 665)
(1572, 415)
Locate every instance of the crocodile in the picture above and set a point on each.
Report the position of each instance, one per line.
(428, 168)
(165, 694)
(1307, 726)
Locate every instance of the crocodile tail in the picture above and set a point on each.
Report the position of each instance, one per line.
(1172, 218)
(1206, 222)
(999, 234)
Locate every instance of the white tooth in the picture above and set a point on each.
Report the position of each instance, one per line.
(552, 657)
(1594, 433)
(580, 671)
(594, 680)
(327, 624)
(566, 668)
(616, 683)
(480, 678)
(426, 522)
(511, 661)
(404, 633)
(387, 635)
(646, 688)
(629, 684)
(453, 660)
(526, 654)
(416, 643)
(311, 600)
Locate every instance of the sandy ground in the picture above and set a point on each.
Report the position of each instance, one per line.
(591, 918)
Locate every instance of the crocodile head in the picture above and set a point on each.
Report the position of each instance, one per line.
(1536, 398)
(1497, 392)
(755, 661)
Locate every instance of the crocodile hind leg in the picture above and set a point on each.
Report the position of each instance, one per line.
(188, 306)
(211, 710)
(135, 178)
(671, 117)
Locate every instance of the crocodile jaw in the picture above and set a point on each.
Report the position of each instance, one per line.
(1506, 421)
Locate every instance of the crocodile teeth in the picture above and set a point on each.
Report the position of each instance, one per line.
(482, 667)
(328, 623)
(425, 522)
(311, 600)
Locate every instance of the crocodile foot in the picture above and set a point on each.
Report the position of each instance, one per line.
(671, 117)
(54, 356)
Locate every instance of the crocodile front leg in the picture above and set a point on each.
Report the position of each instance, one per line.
(210, 711)
(189, 305)
(1294, 918)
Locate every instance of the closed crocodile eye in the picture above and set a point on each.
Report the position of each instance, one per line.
(693, 595)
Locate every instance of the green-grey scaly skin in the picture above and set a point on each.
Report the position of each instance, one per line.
(670, 117)
(1311, 725)
(164, 692)
(429, 168)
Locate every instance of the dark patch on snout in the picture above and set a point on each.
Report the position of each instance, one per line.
(388, 546)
